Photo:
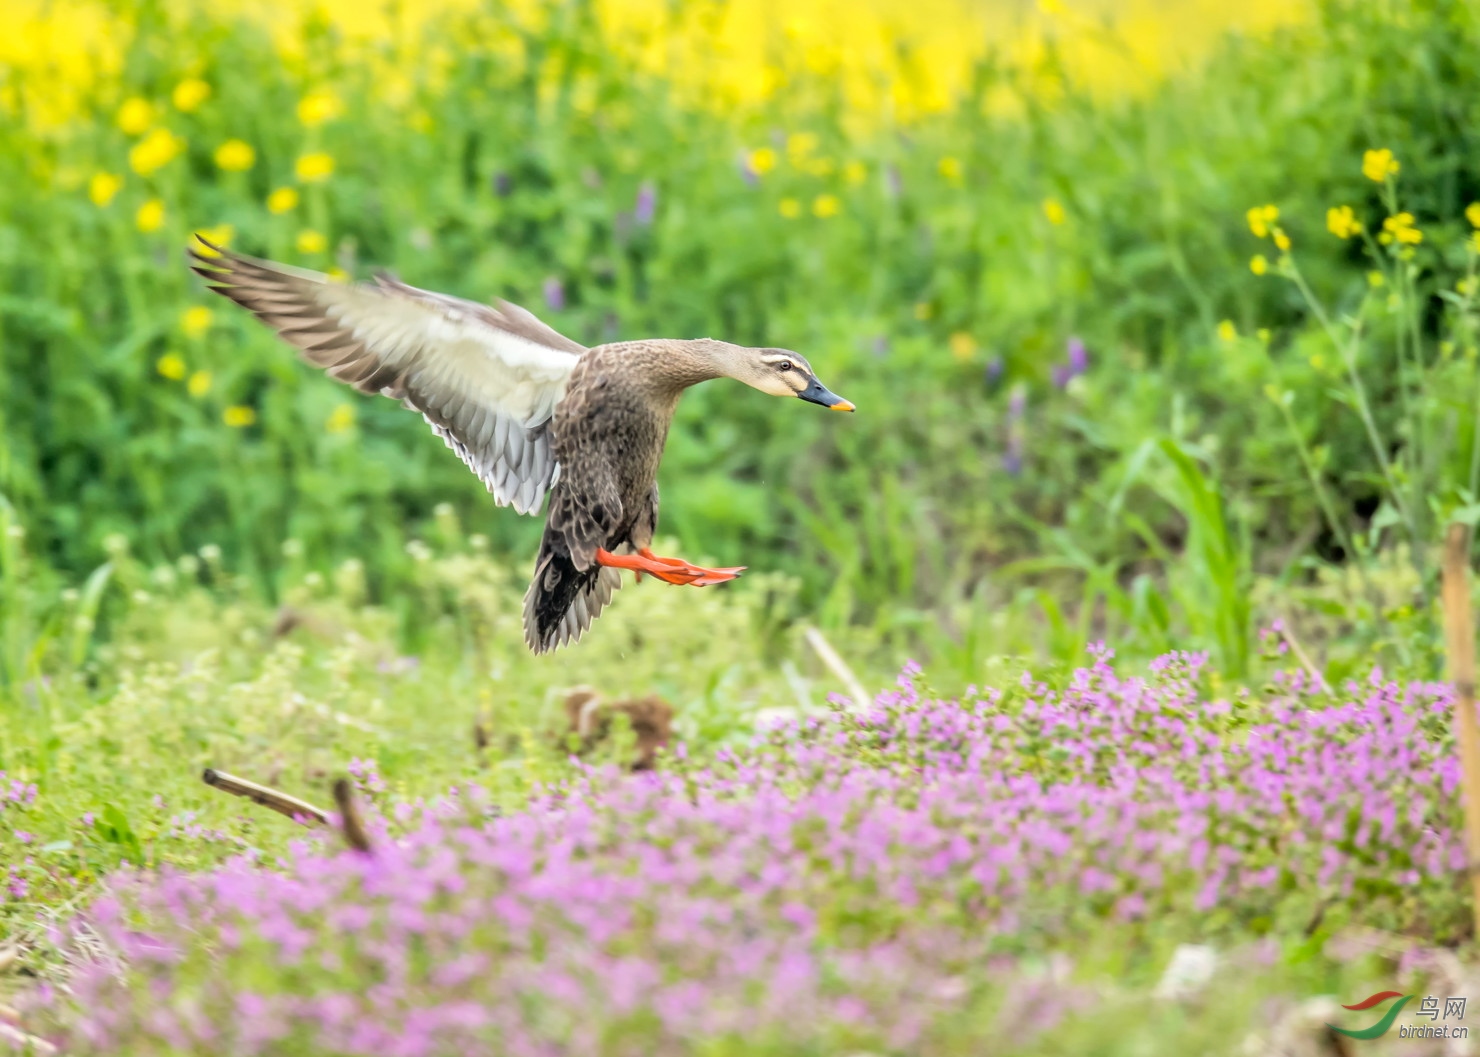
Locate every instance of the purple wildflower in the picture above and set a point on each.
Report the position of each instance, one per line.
(554, 291)
(1078, 357)
(647, 204)
(698, 904)
(503, 184)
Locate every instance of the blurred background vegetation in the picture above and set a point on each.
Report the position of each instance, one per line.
(1104, 390)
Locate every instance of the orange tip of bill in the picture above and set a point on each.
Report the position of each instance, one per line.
(842, 405)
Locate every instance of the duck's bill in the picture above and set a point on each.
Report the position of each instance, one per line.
(817, 393)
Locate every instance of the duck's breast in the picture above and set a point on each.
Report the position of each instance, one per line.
(607, 426)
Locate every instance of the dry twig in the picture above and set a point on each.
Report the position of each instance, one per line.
(1304, 658)
(23, 1042)
(350, 823)
(837, 666)
(278, 801)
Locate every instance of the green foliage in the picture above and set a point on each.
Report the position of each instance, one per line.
(517, 155)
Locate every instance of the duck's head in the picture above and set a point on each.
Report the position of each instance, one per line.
(782, 372)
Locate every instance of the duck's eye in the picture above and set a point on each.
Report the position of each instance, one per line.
(784, 365)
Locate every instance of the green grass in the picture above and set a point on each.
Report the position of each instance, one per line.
(894, 517)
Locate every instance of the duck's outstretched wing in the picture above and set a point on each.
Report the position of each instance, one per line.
(486, 378)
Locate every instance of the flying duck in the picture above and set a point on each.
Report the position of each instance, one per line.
(528, 410)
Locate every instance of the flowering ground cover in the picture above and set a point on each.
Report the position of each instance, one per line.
(926, 875)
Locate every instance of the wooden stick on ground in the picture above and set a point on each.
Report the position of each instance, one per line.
(837, 666)
(350, 823)
(1459, 634)
(278, 801)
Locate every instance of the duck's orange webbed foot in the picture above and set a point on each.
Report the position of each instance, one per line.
(669, 570)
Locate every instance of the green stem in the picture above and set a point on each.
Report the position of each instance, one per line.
(1322, 498)
(1475, 436)
(1348, 355)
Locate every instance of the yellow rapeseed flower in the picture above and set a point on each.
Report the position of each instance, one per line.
(314, 168)
(282, 200)
(1376, 279)
(790, 208)
(340, 419)
(171, 366)
(923, 310)
(1400, 229)
(1054, 210)
(1258, 264)
(189, 94)
(762, 160)
(1465, 287)
(1260, 218)
(135, 116)
(196, 320)
(102, 187)
(1227, 331)
(1472, 214)
(310, 241)
(199, 384)
(1281, 240)
(154, 151)
(235, 156)
(855, 172)
(1263, 334)
(318, 107)
(1378, 165)
(800, 144)
(950, 168)
(826, 206)
(150, 216)
(963, 345)
(1342, 222)
(336, 274)
(238, 416)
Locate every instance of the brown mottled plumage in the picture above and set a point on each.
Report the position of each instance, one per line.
(526, 408)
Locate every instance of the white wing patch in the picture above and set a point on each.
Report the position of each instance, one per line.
(486, 379)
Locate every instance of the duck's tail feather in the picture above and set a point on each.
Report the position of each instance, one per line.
(562, 600)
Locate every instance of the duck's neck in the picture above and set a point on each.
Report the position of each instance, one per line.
(680, 364)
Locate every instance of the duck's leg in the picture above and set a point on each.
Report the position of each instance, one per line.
(706, 576)
(669, 570)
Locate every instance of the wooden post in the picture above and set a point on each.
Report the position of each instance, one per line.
(1459, 635)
